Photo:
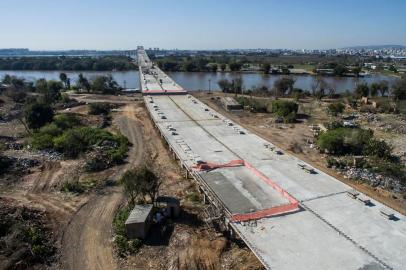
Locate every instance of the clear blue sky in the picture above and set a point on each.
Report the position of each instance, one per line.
(200, 24)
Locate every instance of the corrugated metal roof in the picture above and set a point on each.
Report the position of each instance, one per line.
(139, 213)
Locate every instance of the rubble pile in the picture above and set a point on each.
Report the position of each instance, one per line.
(374, 179)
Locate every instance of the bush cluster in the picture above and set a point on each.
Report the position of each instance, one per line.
(335, 108)
(255, 105)
(285, 109)
(99, 108)
(342, 141)
(357, 141)
(66, 135)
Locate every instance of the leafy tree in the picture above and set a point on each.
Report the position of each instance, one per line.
(38, 114)
(266, 67)
(374, 89)
(284, 84)
(356, 71)
(235, 66)
(64, 78)
(383, 87)
(340, 70)
(6, 79)
(399, 89)
(140, 182)
(213, 67)
(83, 83)
(392, 68)
(51, 90)
(225, 85)
(378, 148)
(105, 85)
(237, 85)
(362, 90)
(223, 67)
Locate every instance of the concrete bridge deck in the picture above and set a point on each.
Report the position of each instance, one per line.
(289, 218)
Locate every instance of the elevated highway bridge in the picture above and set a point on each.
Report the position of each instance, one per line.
(288, 217)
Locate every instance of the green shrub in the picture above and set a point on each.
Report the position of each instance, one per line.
(389, 168)
(41, 141)
(334, 125)
(66, 120)
(51, 129)
(99, 108)
(344, 140)
(39, 246)
(123, 244)
(193, 196)
(119, 220)
(285, 109)
(74, 187)
(38, 114)
(256, 105)
(378, 148)
(335, 108)
(71, 143)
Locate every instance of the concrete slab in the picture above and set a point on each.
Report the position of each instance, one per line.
(242, 192)
(302, 241)
(383, 237)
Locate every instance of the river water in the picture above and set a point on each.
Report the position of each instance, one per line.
(194, 81)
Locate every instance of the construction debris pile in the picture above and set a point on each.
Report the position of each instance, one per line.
(374, 179)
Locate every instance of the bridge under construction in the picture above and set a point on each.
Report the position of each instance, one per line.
(291, 215)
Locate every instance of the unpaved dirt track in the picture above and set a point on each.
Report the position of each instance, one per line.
(86, 242)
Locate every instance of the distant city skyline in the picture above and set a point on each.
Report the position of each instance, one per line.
(117, 25)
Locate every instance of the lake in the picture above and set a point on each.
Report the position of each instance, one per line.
(194, 81)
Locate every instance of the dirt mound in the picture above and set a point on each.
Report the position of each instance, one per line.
(25, 238)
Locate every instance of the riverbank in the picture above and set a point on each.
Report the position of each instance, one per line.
(194, 81)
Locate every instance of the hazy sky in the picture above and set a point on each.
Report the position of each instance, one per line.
(200, 24)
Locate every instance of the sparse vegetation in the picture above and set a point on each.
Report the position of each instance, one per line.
(26, 242)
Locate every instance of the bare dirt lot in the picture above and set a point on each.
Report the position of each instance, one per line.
(294, 139)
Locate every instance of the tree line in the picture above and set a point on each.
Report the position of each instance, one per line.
(106, 63)
(284, 86)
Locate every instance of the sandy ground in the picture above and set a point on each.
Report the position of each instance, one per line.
(293, 139)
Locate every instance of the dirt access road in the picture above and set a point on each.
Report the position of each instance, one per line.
(87, 243)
